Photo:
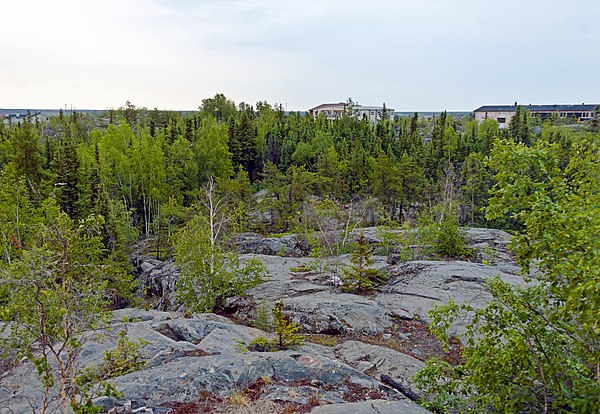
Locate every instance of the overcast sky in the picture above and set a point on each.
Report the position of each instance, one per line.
(412, 55)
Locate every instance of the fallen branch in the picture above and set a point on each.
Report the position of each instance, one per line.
(386, 379)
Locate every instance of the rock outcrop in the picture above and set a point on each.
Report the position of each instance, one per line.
(380, 335)
(187, 356)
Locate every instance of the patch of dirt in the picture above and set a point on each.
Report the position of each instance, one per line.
(208, 402)
(357, 393)
(197, 353)
(412, 337)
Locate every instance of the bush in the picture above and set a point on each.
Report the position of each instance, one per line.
(439, 228)
(208, 273)
(285, 334)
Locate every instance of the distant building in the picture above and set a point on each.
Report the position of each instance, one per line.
(336, 110)
(372, 113)
(504, 113)
(329, 110)
(17, 118)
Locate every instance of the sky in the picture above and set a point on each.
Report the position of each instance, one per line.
(420, 55)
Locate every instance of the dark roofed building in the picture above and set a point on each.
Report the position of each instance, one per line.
(504, 113)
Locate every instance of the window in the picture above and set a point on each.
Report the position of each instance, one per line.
(501, 120)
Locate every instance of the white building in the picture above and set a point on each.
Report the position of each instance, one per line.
(337, 110)
(373, 113)
(329, 110)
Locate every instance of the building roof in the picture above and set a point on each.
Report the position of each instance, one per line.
(538, 108)
(328, 105)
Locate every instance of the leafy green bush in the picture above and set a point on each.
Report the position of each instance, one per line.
(208, 273)
(439, 228)
(534, 348)
(124, 358)
(92, 382)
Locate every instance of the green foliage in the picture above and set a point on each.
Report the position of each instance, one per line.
(124, 358)
(60, 288)
(535, 348)
(18, 216)
(27, 153)
(516, 360)
(477, 178)
(285, 330)
(92, 381)
(262, 318)
(325, 340)
(439, 228)
(361, 277)
(389, 239)
(208, 273)
(261, 344)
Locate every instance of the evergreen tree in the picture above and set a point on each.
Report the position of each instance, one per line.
(387, 185)
(285, 331)
(67, 176)
(27, 153)
(361, 277)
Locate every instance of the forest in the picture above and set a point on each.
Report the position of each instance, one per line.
(80, 194)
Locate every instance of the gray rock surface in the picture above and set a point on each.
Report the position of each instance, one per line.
(158, 279)
(287, 245)
(375, 360)
(186, 355)
(332, 313)
(372, 407)
(416, 287)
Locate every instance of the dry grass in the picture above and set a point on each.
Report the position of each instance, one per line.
(239, 399)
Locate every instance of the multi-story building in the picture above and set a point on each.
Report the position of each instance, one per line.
(336, 110)
(504, 113)
(329, 110)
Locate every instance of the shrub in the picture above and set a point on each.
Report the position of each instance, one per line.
(439, 228)
(124, 358)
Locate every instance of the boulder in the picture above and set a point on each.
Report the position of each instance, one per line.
(334, 313)
(286, 245)
(158, 279)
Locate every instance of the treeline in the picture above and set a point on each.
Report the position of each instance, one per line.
(146, 168)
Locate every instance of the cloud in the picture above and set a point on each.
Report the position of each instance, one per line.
(428, 54)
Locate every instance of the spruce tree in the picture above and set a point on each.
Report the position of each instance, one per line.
(67, 171)
(285, 329)
(27, 153)
(361, 277)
